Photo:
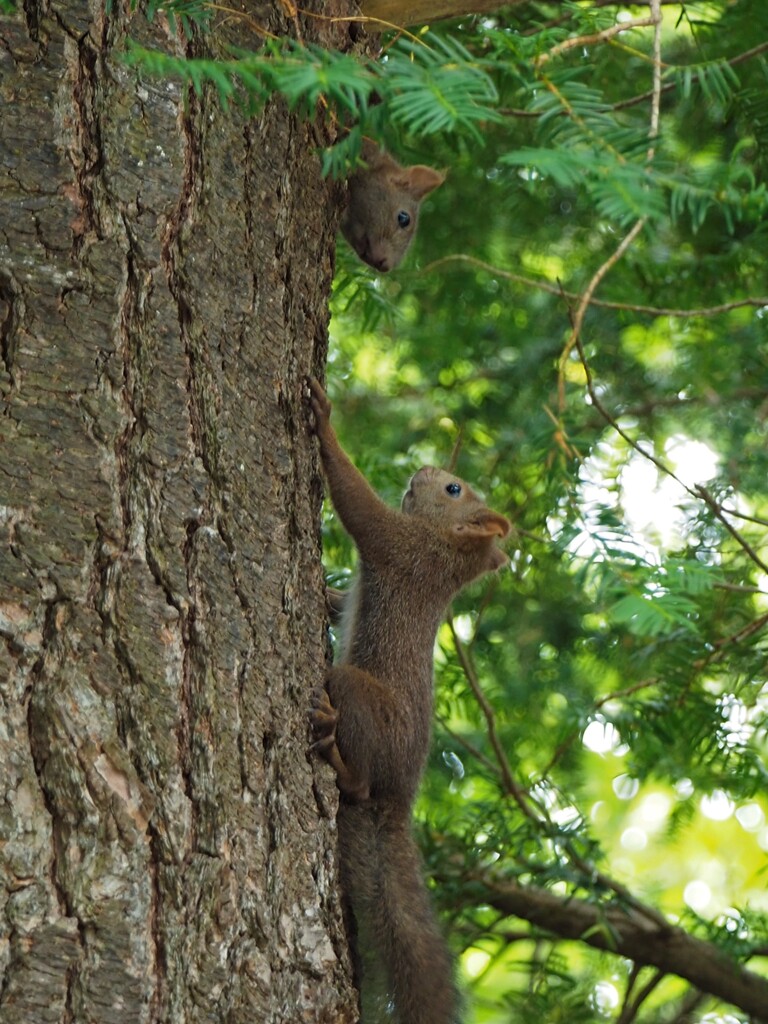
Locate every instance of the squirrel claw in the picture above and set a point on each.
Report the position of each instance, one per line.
(321, 404)
(323, 744)
(323, 717)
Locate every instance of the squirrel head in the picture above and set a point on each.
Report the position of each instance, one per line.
(383, 207)
(452, 505)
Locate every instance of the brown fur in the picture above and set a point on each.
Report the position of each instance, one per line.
(379, 194)
(372, 719)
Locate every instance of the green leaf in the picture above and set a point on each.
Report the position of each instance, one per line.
(655, 616)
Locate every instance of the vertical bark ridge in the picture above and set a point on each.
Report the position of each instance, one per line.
(164, 273)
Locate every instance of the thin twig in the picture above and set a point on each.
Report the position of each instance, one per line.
(691, 1002)
(469, 747)
(523, 800)
(742, 634)
(577, 318)
(631, 1006)
(669, 86)
(717, 509)
(656, 90)
(242, 16)
(365, 20)
(568, 742)
(456, 450)
(716, 655)
(675, 401)
(292, 12)
(705, 311)
(743, 515)
(510, 785)
(696, 492)
(633, 101)
(634, 974)
(596, 37)
(586, 298)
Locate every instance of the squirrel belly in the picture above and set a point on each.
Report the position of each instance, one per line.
(372, 717)
(382, 210)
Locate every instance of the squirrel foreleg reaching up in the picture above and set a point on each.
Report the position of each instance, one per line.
(372, 718)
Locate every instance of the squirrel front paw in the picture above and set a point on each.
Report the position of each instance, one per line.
(320, 402)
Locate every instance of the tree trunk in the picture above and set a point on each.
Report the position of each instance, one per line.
(418, 12)
(166, 842)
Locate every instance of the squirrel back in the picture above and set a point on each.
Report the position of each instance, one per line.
(383, 206)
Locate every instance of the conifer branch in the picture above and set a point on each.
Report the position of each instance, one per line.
(592, 38)
(757, 301)
(577, 318)
(623, 931)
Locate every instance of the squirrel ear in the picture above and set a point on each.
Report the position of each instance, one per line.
(420, 180)
(374, 156)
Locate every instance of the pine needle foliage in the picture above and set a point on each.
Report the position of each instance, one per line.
(605, 152)
(622, 661)
(419, 88)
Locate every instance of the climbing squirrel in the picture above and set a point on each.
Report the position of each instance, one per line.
(383, 206)
(372, 717)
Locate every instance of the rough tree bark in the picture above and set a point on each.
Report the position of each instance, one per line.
(166, 844)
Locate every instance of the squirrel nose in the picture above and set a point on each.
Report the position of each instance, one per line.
(374, 257)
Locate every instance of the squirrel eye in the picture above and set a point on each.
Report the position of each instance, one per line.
(403, 219)
(453, 489)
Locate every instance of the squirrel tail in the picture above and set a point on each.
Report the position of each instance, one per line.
(399, 954)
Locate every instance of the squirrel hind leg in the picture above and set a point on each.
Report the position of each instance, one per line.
(323, 718)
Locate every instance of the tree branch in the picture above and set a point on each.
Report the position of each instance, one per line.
(420, 12)
(758, 301)
(627, 933)
(595, 37)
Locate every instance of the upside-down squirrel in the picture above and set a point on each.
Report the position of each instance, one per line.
(382, 210)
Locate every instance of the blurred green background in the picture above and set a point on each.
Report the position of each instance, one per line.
(623, 654)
